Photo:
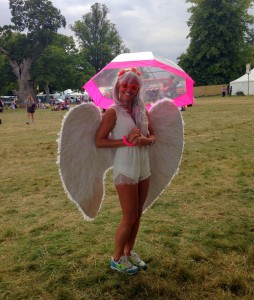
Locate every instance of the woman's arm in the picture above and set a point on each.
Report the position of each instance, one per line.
(107, 124)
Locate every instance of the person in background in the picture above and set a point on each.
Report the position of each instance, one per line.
(30, 109)
(1, 105)
(13, 104)
(223, 91)
(230, 91)
(126, 126)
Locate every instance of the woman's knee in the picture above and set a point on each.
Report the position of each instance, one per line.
(131, 220)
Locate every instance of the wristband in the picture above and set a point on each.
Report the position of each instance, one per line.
(127, 143)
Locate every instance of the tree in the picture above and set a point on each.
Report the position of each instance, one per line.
(7, 78)
(40, 20)
(250, 37)
(217, 40)
(61, 66)
(99, 36)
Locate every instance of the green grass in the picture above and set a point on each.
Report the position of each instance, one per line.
(197, 238)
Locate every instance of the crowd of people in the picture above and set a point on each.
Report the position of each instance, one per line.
(31, 104)
(226, 90)
(12, 104)
(57, 105)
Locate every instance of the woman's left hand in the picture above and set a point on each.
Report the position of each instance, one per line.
(140, 140)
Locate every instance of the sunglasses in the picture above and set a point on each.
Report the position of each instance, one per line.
(130, 86)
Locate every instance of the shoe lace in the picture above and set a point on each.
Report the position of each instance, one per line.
(127, 263)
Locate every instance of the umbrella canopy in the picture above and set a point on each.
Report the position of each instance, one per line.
(161, 78)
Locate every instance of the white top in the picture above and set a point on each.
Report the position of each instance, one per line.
(132, 162)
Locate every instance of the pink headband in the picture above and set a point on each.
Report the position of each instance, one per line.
(123, 71)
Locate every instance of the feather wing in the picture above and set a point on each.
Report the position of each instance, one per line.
(82, 166)
(165, 155)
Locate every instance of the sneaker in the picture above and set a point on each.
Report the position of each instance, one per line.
(123, 265)
(137, 261)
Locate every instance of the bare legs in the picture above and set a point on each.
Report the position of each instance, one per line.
(28, 117)
(142, 194)
(132, 198)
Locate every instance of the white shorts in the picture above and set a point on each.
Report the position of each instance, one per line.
(131, 167)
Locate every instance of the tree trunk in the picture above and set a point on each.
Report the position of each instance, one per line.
(25, 83)
(47, 91)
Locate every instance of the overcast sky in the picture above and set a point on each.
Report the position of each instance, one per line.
(144, 25)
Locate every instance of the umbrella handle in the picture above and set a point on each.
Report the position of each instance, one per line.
(127, 143)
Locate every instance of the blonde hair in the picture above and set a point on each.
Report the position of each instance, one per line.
(138, 104)
(30, 98)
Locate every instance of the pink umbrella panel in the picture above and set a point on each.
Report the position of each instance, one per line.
(161, 78)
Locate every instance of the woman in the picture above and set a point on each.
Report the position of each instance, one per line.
(126, 126)
(30, 109)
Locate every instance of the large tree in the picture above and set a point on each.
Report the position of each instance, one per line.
(61, 66)
(35, 23)
(99, 36)
(217, 49)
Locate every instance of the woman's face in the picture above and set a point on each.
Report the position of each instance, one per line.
(128, 90)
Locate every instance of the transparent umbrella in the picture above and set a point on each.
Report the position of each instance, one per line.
(161, 78)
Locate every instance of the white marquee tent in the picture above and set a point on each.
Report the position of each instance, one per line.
(241, 84)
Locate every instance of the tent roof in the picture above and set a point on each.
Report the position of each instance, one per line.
(244, 78)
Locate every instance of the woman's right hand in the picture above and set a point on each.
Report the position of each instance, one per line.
(133, 134)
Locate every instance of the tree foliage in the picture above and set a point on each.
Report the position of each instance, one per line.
(62, 66)
(35, 16)
(218, 30)
(40, 19)
(35, 24)
(7, 78)
(99, 36)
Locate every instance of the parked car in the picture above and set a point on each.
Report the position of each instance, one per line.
(7, 100)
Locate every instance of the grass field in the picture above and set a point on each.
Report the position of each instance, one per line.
(197, 239)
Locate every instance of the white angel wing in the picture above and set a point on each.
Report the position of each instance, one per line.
(165, 155)
(83, 165)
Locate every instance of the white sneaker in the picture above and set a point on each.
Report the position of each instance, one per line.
(137, 261)
(123, 265)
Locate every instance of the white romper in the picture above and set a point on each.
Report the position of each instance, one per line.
(130, 162)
